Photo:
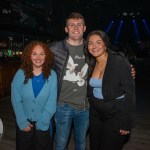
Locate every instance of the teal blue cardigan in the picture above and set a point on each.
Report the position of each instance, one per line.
(40, 109)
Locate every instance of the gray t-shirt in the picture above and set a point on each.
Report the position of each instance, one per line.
(74, 85)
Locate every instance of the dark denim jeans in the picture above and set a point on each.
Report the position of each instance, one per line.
(64, 117)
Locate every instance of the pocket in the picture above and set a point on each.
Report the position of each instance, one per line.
(61, 111)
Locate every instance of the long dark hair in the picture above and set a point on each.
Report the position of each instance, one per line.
(89, 58)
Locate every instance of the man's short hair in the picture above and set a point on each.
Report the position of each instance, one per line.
(75, 15)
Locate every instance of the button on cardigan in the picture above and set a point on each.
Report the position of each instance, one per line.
(40, 109)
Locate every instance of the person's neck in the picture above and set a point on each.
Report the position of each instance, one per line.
(102, 58)
(37, 71)
(75, 42)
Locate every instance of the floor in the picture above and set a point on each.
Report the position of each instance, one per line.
(140, 136)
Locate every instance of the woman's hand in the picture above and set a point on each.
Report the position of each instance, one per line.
(29, 128)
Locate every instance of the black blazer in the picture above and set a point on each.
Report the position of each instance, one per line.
(118, 81)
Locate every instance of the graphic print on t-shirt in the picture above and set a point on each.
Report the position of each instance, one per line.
(75, 76)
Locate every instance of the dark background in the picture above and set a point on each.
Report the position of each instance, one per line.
(24, 20)
(47, 17)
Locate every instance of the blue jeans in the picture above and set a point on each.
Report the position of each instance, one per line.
(64, 117)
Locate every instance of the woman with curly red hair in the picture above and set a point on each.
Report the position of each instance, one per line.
(33, 96)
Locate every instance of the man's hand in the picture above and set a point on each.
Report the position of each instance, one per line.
(124, 132)
(133, 72)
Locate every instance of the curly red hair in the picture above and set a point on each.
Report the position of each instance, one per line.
(26, 64)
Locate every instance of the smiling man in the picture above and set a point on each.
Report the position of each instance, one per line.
(71, 69)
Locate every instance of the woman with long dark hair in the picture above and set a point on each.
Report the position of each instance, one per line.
(111, 93)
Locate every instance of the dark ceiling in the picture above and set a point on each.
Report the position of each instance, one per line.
(98, 15)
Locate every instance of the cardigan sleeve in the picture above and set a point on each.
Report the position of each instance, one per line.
(128, 86)
(16, 99)
(50, 106)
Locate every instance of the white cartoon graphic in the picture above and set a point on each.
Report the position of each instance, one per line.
(81, 75)
(72, 75)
